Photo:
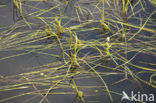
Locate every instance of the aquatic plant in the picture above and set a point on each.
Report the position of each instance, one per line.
(99, 42)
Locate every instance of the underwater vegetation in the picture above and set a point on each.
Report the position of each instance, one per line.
(92, 50)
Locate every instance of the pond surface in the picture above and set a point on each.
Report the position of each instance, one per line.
(37, 67)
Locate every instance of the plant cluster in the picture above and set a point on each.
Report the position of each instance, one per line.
(97, 40)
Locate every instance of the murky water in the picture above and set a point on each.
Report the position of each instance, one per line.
(27, 61)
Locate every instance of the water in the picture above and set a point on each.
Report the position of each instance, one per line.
(93, 88)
